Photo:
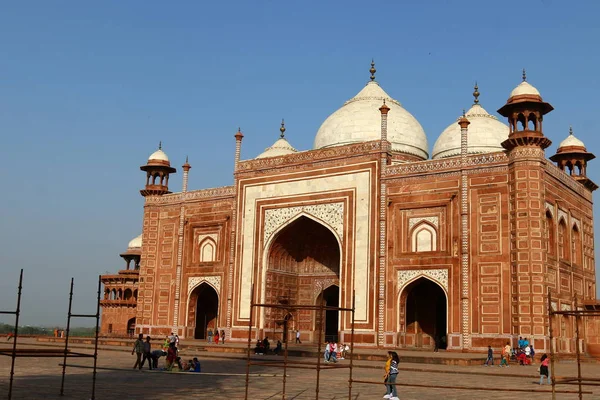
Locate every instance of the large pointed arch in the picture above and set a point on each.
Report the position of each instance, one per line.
(314, 256)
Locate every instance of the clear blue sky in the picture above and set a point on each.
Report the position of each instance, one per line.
(87, 90)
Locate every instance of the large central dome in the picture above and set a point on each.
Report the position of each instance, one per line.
(359, 120)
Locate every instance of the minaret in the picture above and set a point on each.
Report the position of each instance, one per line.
(384, 109)
(186, 171)
(525, 146)
(238, 148)
(465, 274)
(572, 158)
(157, 171)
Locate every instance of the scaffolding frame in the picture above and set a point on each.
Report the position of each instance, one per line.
(288, 308)
(15, 353)
(578, 314)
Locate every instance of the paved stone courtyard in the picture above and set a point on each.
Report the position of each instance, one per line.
(224, 377)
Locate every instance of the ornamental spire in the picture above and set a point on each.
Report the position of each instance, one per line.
(160, 145)
(524, 76)
(476, 94)
(570, 130)
(372, 70)
(282, 129)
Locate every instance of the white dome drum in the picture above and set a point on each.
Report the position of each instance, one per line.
(359, 120)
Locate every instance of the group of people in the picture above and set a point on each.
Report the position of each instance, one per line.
(334, 350)
(216, 335)
(263, 347)
(143, 351)
(524, 354)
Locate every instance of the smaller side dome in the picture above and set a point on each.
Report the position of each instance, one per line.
(486, 133)
(524, 88)
(571, 141)
(158, 155)
(135, 243)
(280, 148)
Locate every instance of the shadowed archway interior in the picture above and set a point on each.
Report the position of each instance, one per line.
(207, 307)
(302, 256)
(426, 313)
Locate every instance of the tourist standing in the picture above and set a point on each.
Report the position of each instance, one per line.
(147, 353)
(223, 336)
(386, 375)
(490, 357)
(327, 352)
(138, 349)
(544, 370)
(210, 335)
(216, 336)
(391, 378)
(298, 336)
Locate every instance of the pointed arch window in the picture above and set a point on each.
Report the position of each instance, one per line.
(576, 248)
(424, 238)
(551, 235)
(563, 240)
(207, 250)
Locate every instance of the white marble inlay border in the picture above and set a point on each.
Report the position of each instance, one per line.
(550, 207)
(562, 214)
(434, 220)
(330, 213)
(437, 275)
(213, 236)
(195, 281)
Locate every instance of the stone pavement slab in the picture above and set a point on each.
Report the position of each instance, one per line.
(38, 378)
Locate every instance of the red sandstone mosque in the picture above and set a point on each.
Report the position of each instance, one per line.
(459, 245)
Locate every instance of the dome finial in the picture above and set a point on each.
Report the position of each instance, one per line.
(476, 93)
(372, 70)
(464, 113)
(160, 145)
(282, 129)
(186, 159)
(570, 130)
(524, 76)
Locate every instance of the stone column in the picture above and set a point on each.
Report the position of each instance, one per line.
(178, 274)
(465, 269)
(384, 109)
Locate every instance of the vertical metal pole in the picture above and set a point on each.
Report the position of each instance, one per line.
(550, 315)
(15, 337)
(352, 345)
(321, 327)
(285, 357)
(249, 339)
(96, 338)
(577, 348)
(64, 366)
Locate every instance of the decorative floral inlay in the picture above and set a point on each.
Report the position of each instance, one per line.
(331, 213)
(432, 220)
(565, 307)
(214, 281)
(323, 284)
(438, 275)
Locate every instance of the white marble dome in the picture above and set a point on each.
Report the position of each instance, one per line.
(571, 141)
(158, 155)
(485, 135)
(524, 88)
(359, 120)
(280, 148)
(135, 243)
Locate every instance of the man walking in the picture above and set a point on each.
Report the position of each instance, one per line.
(147, 353)
(138, 349)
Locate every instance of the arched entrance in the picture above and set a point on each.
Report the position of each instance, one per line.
(131, 326)
(302, 257)
(330, 298)
(206, 300)
(425, 314)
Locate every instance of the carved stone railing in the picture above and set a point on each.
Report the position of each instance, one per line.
(567, 180)
(212, 193)
(310, 156)
(445, 164)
